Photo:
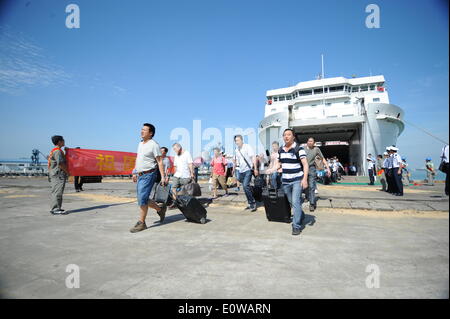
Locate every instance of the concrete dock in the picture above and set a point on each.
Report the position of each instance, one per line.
(358, 233)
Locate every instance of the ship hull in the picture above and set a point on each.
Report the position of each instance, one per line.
(349, 138)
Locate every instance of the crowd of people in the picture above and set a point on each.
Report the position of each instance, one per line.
(293, 168)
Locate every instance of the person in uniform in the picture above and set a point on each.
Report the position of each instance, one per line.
(429, 165)
(388, 167)
(58, 173)
(397, 167)
(371, 169)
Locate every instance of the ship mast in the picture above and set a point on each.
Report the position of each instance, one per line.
(323, 87)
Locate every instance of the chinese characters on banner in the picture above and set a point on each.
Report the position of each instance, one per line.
(84, 162)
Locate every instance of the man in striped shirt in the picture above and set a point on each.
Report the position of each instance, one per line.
(294, 166)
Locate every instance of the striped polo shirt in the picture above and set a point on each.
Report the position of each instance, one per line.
(291, 166)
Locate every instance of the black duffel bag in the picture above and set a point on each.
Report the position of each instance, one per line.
(191, 189)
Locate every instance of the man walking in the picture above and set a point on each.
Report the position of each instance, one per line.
(58, 173)
(316, 161)
(294, 176)
(148, 161)
(166, 163)
(245, 161)
(273, 170)
(184, 168)
(218, 172)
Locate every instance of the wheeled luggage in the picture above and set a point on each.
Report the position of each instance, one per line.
(276, 205)
(191, 208)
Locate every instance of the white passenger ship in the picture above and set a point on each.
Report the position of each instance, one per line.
(349, 118)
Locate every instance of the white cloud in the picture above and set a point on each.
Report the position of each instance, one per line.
(23, 65)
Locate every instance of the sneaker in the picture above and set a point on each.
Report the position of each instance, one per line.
(248, 207)
(162, 213)
(203, 220)
(237, 189)
(58, 212)
(253, 208)
(140, 226)
(296, 231)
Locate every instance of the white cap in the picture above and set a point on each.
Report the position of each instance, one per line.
(386, 153)
(393, 148)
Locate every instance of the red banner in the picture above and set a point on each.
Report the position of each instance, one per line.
(84, 162)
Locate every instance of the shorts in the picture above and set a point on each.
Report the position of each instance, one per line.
(179, 181)
(144, 187)
(216, 179)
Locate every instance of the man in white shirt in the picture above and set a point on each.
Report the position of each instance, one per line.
(245, 161)
(148, 161)
(184, 169)
(397, 166)
(371, 169)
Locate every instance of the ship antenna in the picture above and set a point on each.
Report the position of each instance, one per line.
(323, 84)
(323, 75)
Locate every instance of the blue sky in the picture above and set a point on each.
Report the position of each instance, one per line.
(172, 62)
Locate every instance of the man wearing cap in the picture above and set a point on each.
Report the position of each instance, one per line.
(430, 171)
(370, 167)
(397, 166)
(388, 170)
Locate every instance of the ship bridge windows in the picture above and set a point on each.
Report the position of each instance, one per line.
(305, 92)
(355, 88)
(281, 98)
(318, 91)
(372, 87)
(336, 88)
(364, 88)
(289, 97)
(275, 98)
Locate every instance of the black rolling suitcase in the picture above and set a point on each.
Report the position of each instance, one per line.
(191, 208)
(257, 188)
(276, 205)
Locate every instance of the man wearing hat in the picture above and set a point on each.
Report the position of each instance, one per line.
(430, 171)
(371, 168)
(388, 170)
(397, 166)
